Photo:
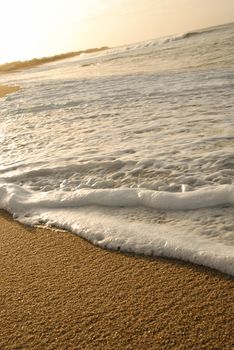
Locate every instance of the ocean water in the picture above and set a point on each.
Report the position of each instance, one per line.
(131, 148)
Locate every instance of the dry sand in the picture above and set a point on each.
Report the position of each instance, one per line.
(58, 292)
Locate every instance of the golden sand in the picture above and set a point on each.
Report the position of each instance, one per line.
(58, 291)
(4, 89)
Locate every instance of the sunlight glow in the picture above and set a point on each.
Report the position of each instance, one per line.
(37, 27)
(33, 28)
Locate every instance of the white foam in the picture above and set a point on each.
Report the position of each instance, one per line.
(113, 232)
(60, 209)
(14, 196)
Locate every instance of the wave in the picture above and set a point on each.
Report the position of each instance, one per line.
(160, 41)
(116, 53)
(190, 34)
(183, 36)
(82, 212)
(14, 197)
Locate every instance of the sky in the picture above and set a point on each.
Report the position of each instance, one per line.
(37, 28)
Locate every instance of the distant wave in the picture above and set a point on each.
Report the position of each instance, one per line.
(138, 49)
(176, 37)
(183, 36)
(116, 51)
(190, 34)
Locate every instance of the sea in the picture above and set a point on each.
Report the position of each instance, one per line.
(131, 148)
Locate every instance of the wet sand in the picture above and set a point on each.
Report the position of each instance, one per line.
(58, 291)
(4, 89)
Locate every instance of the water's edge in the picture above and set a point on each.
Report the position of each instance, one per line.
(9, 217)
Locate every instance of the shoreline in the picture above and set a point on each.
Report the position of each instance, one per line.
(59, 291)
(11, 67)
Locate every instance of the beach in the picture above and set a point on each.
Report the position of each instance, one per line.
(60, 292)
(60, 168)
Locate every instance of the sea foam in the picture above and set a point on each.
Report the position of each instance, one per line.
(63, 210)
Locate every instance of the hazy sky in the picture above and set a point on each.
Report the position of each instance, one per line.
(35, 28)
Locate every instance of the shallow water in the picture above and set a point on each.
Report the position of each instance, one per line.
(146, 130)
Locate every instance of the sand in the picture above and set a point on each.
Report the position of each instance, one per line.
(58, 291)
(4, 89)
